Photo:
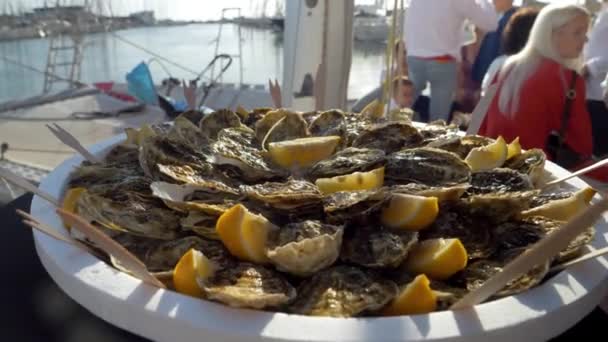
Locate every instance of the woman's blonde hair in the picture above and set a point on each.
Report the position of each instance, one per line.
(518, 68)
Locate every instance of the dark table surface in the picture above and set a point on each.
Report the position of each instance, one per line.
(35, 309)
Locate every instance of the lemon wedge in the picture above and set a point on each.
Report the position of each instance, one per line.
(373, 179)
(192, 265)
(415, 298)
(437, 258)
(513, 149)
(563, 209)
(302, 152)
(70, 201)
(244, 233)
(410, 212)
(488, 157)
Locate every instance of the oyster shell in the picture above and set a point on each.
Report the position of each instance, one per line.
(443, 194)
(475, 274)
(428, 166)
(236, 147)
(165, 151)
(212, 124)
(328, 123)
(455, 222)
(544, 198)
(186, 197)
(347, 161)
(201, 223)
(90, 175)
(291, 126)
(376, 246)
(306, 247)
(185, 130)
(354, 206)
(147, 216)
(289, 195)
(500, 207)
(460, 145)
(499, 181)
(531, 163)
(270, 118)
(123, 157)
(164, 256)
(246, 285)
(389, 137)
(343, 291)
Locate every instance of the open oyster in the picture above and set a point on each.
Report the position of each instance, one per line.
(165, 151)
(99, 174)
(347, 161)
(306, 247)
(428, 166)
(443, 193)
(343, 291)
(236, 147)
(328, 123)
(291, 126)
(201, 223)
(270, 118)
(376, 246)
(164, 256)
(212, 124)
(289, 195)
(147, 216)
(248, 285)
(191, 196)
(354, 206)
(500, 207)
(389, 137)
(184, 130)
(499, 180)
(531, 162)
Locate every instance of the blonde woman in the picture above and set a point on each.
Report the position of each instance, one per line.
(534, 85)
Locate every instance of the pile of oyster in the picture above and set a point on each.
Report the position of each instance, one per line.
(161, 193)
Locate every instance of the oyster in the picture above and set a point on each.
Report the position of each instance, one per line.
(347, 161)
(376, 246)
(427, 166)
(499, 181)
(162, 150)
(525, 232)
(184, 130)
(201, 223)
(389, 137)
(331, 122)
(343, 291)
(289, 195)
(446, 295)
(189, 196)
(194, 116)
(354, 206)
(270, 118)
(147, 216)
(236, 147)
(475, 274)
(455, 222)
(544, 198)
(247, 285)
(443, 193)
(500, 207)
(124, 157)
(164, 256)
(437, 131)
(291, 126)
(460, 145)
(212, 124)
(98, 174)
(306, 247)
(531, 163)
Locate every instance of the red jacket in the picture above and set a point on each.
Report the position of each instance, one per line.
(541, 106)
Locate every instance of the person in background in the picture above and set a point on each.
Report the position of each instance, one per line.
(515, 37)
(533, 86)
(491, 45)
(403, 93)
(399, 62)
(595, 71)
(433, 30)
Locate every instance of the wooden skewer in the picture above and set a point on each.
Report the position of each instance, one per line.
(590, 255)
(25, 184)
(542, 251)
(71, 141)
(126, 258)
(580, 172)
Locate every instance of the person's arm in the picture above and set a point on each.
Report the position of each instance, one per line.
(482, 13)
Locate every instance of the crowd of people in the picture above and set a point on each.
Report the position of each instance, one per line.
(547, 69)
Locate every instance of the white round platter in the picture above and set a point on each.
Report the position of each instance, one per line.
(163, 315)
